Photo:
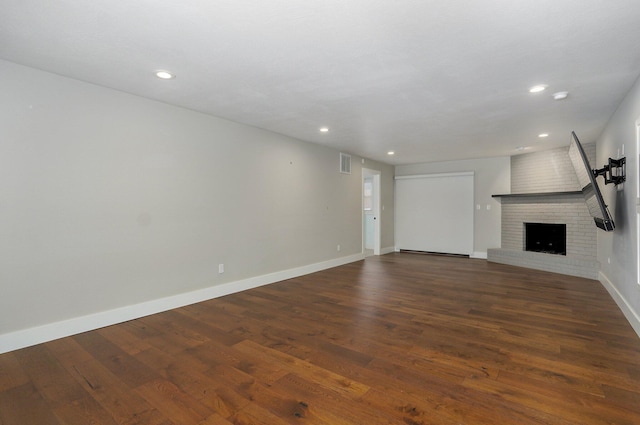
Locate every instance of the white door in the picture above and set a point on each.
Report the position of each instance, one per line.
(434, 213)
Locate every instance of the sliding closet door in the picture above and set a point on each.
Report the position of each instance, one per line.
(434, 213)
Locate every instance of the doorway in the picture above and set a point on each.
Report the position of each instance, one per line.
(370, 212)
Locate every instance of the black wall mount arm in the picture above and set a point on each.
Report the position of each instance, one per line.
(614, 172)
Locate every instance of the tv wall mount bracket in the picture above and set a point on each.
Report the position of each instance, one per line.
(614, 172)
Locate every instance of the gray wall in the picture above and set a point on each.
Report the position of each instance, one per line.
(491, 176)
(617, 250)
(108, 200)
(387, 215)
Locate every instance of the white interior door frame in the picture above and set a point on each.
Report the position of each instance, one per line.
(375, 176)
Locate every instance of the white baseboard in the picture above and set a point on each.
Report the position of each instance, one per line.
(387, 250)
(37, 335)
(632, 316)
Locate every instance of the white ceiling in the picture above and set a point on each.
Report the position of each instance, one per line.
(431, 80)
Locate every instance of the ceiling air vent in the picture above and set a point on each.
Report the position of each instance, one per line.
(345, 163)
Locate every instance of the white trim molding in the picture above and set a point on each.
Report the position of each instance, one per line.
(479, 254)
(632, 316)
(37, 335)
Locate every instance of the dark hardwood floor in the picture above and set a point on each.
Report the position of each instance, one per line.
(399, 339)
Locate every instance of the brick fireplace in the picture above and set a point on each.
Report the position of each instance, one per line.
(544, 189)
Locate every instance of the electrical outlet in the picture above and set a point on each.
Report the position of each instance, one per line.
(220, 268)
(338, 247)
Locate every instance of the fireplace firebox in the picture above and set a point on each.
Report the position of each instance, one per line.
(546, 238)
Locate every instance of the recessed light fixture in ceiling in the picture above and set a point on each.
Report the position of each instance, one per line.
(324, 129)
(391, 153)
(560, 95)
(543, 135)
(165, 75)
(538, 88)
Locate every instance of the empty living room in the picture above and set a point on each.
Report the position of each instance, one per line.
(321, 212)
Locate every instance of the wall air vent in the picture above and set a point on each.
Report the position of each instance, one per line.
(345, 163)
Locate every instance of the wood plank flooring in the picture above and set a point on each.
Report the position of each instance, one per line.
(398, 339)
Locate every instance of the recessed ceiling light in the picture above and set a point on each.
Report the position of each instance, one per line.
(543, 135)
(165, 75)
(538, 88)
(324, 129)
(560, 95)
(391, 153)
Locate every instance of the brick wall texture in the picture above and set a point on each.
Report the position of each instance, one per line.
(547, 171)
(544, 172)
